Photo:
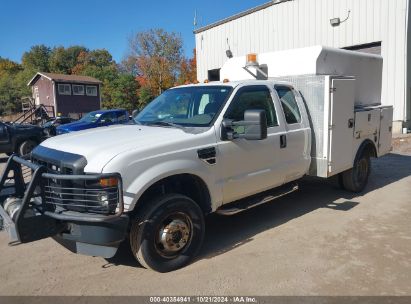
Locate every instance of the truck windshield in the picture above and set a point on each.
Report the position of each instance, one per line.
(187, 106)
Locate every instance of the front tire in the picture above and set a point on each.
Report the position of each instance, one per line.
(26, 147)
(168, 234)
(356, 178)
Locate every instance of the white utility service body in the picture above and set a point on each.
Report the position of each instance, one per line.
(216, 147)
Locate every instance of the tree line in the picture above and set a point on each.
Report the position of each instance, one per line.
(153, 63)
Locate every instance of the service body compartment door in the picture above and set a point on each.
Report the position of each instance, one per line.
(341, 126)
(384, 144)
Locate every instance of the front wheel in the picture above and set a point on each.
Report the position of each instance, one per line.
(356, 178)
(26, 147)
(168, 234)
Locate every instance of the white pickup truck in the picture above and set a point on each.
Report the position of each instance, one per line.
(219, 147)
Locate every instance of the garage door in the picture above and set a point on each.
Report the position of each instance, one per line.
(370, 48)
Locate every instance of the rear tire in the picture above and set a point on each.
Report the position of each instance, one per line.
(356, 178)
(26, 147)
(168, 234)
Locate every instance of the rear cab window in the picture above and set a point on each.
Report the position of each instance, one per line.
(289, 104)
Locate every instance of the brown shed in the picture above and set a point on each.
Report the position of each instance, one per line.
(70, 95)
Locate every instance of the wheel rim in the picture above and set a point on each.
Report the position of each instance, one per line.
(361, 171)
(27, 148)
(173, 235)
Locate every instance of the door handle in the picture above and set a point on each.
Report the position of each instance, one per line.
(283, 141)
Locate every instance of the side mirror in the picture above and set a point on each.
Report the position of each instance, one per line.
(254, 123)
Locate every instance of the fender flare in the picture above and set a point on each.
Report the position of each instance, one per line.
(364, 145)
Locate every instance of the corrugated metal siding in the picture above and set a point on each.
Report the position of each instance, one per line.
(302, 23)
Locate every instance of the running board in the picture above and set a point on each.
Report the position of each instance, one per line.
(257, 200)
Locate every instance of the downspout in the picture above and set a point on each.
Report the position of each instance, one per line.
(54, 98)
(99, 92)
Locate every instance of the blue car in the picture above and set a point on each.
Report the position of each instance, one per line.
(96, 119)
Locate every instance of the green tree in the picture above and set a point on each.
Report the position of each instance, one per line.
(37, 59)
(121, 93)
(144, 97)
(12, 89)
(63, 60)
(157, 55)
(13, 80)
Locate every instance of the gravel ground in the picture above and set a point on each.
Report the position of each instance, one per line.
(317, 241)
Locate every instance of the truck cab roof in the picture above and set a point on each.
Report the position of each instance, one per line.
(233, 84)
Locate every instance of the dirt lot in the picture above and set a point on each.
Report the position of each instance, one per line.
(318, 241)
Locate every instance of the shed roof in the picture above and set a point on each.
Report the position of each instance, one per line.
(64, 78)
(239, 15)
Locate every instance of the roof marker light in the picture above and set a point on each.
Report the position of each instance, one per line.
(251, 60)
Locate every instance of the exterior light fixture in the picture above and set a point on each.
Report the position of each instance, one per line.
(337, 21)
(228, 51)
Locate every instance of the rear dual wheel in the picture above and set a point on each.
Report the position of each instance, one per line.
(356, 178)
(168, 234)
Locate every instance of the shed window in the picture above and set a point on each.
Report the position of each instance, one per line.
(78, 89)
(91, 91)
(64, 89)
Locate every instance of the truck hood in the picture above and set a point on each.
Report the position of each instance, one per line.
(100, 145)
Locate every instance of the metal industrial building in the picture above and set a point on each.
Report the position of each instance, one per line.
(377, 26)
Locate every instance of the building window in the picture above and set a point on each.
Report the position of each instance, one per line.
(64, 89)
(78, 89)
(91, 91)
(214, 75)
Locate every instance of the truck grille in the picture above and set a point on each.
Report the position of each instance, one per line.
(76, 194)
(63, 196)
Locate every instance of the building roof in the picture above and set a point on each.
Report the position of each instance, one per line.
(64, 78)
(239, 15)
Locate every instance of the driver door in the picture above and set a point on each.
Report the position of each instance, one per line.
(252, 166)
(4, 134)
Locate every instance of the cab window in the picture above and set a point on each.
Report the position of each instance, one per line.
(108, 117)
(252, 98)
(289, 104)
(122, 117)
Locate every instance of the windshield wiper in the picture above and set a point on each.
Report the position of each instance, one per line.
(165, 124)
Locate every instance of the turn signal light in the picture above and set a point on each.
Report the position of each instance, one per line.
(109, 182)
(206, 81)
(226, 80)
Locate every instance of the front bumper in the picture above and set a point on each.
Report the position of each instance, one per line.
(64, 213)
